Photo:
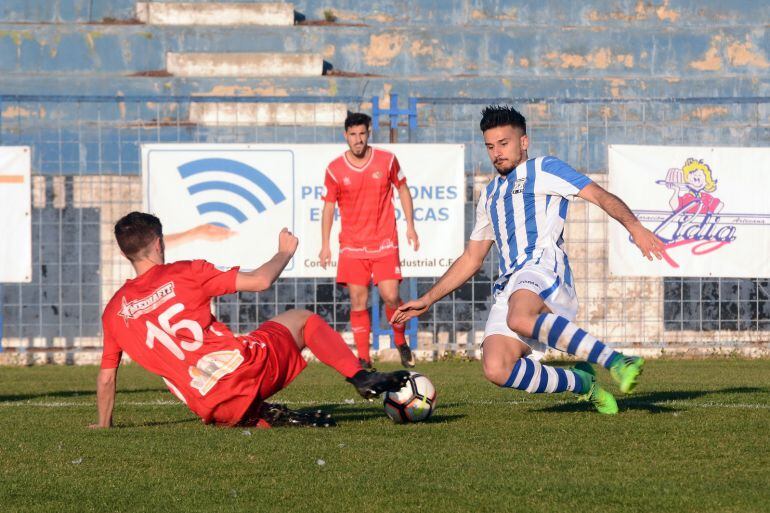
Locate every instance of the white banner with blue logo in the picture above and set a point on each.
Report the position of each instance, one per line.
(15, 215)
(226, 203)
(708, 205)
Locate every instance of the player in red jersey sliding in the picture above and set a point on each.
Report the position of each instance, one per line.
(163, 320)
(361, 181)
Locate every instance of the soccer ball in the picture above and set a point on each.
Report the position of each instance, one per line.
(414, 402)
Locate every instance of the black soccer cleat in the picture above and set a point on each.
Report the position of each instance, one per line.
(278, 415)
(407, 358)
(366, 364)
(370, 384)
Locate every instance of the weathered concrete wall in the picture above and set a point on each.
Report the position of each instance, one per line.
(427, 12)
(214, 13)
(403, 51)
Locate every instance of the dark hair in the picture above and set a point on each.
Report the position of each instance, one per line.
(135, 232)
(357, 118)
(494, 116)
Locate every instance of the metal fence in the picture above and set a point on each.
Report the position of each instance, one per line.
(87, 173)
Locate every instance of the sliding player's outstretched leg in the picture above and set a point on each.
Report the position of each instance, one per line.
(312, 331)
(559, 333)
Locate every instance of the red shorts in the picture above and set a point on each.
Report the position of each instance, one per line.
(361, 271)
(284, 362)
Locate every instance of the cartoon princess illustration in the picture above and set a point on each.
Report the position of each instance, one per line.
(692, 185)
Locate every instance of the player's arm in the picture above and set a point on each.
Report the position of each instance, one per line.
(106, 384)
(208, 232)
(265, 275)
(458, 273)
(327, 218)
(329, 197)
(406, 204)
(648, 242)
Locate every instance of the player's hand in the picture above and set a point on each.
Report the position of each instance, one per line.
(649, 243)
(325, 256)
(409, 310)
(287, 242)
(412, 238)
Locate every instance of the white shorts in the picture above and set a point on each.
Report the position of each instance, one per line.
(558, 296)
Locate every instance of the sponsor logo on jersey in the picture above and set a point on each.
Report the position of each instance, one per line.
(138, 307)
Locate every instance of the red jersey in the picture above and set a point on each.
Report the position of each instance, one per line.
(365, 198)
(163, 320)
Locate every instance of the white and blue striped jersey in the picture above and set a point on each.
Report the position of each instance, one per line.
(524, 214)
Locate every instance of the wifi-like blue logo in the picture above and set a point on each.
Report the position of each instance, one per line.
(216, 167)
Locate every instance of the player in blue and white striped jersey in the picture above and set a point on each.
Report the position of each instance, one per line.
(522, 211)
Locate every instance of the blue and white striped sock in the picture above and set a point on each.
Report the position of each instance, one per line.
(559, 333)
(536, 378)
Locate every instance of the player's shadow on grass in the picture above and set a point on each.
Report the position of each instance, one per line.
(654, 402)
(356, 412)
(155, 423)
(68, 394)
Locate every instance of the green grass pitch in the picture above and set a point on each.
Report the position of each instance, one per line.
(694, 437)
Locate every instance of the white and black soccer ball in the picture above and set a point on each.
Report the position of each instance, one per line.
(414, 402)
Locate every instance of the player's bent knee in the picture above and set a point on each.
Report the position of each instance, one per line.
(358, 301)
(519, 323)
(496, 373)
(391, 301)
(300, 313)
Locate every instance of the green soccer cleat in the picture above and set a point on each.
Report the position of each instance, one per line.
(602, 400)
(586, 367)
(625, 371)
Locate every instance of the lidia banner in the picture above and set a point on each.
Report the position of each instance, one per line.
(708, 205)
(15, 215)
(226, 203)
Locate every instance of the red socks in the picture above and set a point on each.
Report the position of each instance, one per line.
(362, 328)
(327, 345)
(398, 329)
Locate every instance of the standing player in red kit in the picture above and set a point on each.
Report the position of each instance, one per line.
(163, 320)
(361, 181)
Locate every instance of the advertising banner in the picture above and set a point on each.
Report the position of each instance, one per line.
(15, 215)
(227, 203)
(707, 204)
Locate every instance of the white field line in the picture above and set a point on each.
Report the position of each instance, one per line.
(675, 402)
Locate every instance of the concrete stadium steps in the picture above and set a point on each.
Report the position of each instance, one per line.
(232, 64)
(268, 114)
(400, 52)
(540, 13)
(523, 13)
(228, 14)
(519, 86)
